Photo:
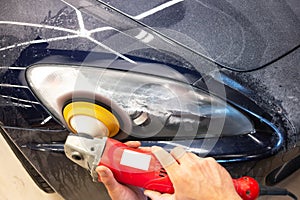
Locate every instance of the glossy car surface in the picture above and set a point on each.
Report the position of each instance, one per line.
(245, 53)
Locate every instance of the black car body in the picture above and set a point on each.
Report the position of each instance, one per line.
(245, 53)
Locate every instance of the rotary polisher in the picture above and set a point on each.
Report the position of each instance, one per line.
(92, 147)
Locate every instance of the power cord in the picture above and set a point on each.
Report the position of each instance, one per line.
(265, 190)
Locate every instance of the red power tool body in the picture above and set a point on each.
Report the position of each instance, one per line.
(135, 166)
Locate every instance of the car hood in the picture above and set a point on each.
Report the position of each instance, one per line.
(239, 34)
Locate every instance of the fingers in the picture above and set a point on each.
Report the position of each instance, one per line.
(177, 157)
(137, 144)
(107, 178)
(182, 156)
(133, 144)
(163, 157)
(195, 157)
(167, 161)
(179, 154)
(152, 194)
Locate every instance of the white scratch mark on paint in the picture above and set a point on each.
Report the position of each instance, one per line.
(13, 68)
(16, 105)
(255, 139)
(156, 9)
(21, 105)
(18, 99)
(111, 50)
(107, 28)
(39, 26)
(40, 41)
(12, 86)
(79, 16)
(46, 120)
(82, 33)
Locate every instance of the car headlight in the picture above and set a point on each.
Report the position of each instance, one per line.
(144, 105)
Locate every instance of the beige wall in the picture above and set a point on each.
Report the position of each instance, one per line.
(15, 183)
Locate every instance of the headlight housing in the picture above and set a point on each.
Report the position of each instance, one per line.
(145, 105)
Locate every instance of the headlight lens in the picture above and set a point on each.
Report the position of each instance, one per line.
(145, 105)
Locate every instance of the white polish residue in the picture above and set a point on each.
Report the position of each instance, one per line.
(144, 36)
(141, 35)
(148, 38)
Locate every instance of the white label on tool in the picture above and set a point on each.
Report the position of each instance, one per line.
(135, 159)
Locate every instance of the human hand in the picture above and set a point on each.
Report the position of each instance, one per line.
(116, 190)
(193, 178)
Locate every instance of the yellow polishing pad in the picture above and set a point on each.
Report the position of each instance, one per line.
(92, 110)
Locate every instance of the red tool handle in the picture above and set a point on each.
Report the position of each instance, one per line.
(135, 167)
(246, 187)
(142, 169)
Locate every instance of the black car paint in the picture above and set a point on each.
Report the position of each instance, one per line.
(23, 124)
(30, 134)
(228, 31)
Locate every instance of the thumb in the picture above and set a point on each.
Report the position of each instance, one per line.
(152, 194)
(107, 178)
